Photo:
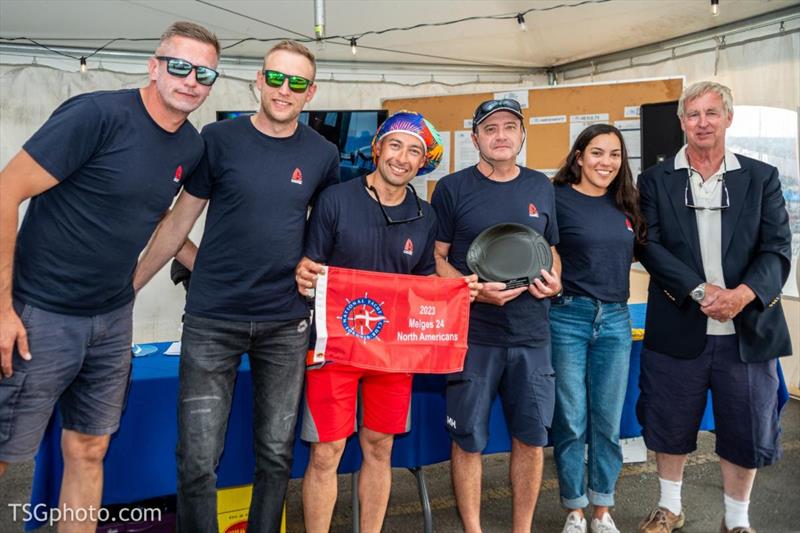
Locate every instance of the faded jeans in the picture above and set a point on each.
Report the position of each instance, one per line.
(211, 351)
(591, 353)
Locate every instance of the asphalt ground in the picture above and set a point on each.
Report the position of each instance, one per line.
(774, 507)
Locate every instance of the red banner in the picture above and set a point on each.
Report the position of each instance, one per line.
(391, 322)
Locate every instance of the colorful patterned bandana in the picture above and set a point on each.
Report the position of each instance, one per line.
(416, 125)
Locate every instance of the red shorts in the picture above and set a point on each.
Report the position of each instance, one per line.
(332, 394)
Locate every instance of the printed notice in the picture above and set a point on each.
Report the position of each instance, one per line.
(464, 152)
(420, 183)
(552, 119)
(591, 118)
(631, 111)
(520, 95)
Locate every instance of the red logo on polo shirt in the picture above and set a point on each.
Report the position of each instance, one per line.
(178, 174)
(532, 211)
(408, 249)
(628, 224)
(297, 176)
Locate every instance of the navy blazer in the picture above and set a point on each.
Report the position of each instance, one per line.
(756, 251)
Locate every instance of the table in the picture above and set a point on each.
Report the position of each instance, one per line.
(140, 463)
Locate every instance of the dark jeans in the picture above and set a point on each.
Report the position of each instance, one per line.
(210, 354)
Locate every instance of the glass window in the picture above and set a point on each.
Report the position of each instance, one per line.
(769, 134)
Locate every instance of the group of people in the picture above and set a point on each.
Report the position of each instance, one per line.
(104, 169)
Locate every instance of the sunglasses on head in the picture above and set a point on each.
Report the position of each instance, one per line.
(491, 105)
(297, 84)
(182, 68)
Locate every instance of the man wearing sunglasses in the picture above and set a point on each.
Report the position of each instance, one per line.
(509, 336)
(718, 253)
(259, 176)
(375, 222)
(100, 173)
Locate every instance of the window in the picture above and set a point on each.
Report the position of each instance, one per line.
(769, 134)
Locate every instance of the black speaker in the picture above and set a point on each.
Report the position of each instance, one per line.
(662, 136)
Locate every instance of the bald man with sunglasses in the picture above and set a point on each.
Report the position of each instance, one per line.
(259, 176)
(100, 174)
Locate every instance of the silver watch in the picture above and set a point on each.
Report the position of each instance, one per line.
(698, 293)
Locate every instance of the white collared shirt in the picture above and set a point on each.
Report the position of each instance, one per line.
(709, 225)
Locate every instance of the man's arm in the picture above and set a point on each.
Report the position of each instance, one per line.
(767, 272)
(770, 267)
(490, 292)
(169, 237)
(669, 272)
(21, 179)
(187, 254)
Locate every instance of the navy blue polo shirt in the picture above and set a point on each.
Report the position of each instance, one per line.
(349, 230)
(118, 172)
(466, 203)
(595, 244)
(260, 188)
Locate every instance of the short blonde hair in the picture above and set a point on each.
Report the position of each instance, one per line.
(296, 48)
(190, 30)
(700, 88)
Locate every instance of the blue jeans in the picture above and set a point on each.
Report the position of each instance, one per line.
(591, 354)
(210, 354)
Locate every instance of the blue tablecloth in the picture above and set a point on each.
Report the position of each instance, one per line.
(141, 458)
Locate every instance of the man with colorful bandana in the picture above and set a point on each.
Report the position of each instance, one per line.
(375, 222)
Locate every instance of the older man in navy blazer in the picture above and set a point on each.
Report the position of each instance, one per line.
(718, 253)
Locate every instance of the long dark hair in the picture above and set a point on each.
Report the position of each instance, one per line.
(622, 189)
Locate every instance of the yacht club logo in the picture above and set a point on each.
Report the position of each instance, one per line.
(363, 318)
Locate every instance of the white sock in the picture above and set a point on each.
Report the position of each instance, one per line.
(736, 513)
(670, 495)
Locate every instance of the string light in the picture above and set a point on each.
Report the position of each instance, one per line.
(521, 22)
(319, 29)
(715, 7)
(83, 65)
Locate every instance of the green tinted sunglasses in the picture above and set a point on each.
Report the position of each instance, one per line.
(297, 84)
(182, 68)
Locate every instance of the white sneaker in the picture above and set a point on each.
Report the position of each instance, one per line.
(606, 525)
(575, 523)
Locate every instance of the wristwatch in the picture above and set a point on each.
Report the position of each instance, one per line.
(698, 293)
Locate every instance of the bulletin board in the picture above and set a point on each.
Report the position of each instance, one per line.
(552, 116)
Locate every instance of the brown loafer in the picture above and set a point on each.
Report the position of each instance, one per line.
(723, 529)
(661, 520)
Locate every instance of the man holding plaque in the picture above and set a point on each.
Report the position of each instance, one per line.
(376, 223)
(509, 335)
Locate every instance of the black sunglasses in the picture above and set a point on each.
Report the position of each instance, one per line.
(182, 68)
(688, 199)
(725, 201)
(492, 105)
(389, 220)
(297, 84)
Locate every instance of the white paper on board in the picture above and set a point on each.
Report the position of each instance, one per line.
(631, 111)
(592, 118)
(630, 124)
(520, 96)
(420, 183)
(464, 152)
(551, 119)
